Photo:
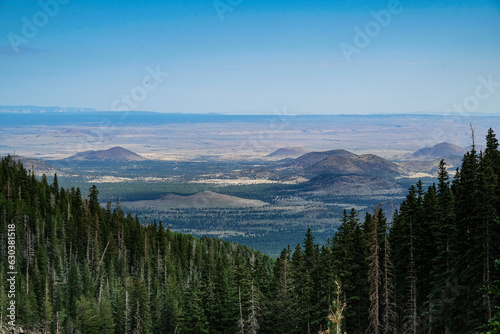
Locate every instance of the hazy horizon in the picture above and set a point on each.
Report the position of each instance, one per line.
(6, 109)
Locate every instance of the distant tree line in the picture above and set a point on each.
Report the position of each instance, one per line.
(82, 268)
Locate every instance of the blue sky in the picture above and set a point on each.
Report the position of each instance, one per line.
(253, 58)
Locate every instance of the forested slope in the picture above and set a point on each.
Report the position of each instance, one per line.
(83, 268)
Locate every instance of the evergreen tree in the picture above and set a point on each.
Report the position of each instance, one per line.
(86, 321)
(46, 310)
(194, 320)
(402, 237)
(388, 321)
(87, 269)
(284, 294)
(374, 275)
(140, 322)
(105, 319)
(253, 310)
(441, 279)
(468, 248)
(350, 253)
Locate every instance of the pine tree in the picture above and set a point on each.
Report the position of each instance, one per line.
(105, 319)
(441, 282)
(283, 301)
(305, 276)
(298, 312)
(74, 288)
(327, 282)
(411, 316)
(388, 321)
(140, 322)
(374, 275)
(194, 320)
(468, 248)
(253, 310)
(492, 153)
(402, 237)
(86, 321)
(350, 251)
(46, 311)
(488, 184)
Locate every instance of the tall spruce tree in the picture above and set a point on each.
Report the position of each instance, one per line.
(374, 275)
(467, 314)
(349, 251)
(441, 275)
(284, 293)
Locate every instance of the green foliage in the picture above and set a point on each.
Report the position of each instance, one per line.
(83, 268)
(87, 269)
(350, 253)
(444, 242)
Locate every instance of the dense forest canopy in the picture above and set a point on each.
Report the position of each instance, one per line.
(80, 268)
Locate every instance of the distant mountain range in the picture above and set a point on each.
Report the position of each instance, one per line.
(309, 159)
(342, 162)
(440, 150)
(41, 110)
(113, 154)
(288, 152)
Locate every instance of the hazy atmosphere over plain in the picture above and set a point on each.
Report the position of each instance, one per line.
(252, 56)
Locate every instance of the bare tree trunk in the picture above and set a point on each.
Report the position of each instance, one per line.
(253, 311)
(411, 323)
(389, 315)
(127, 313)
(241, 322)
